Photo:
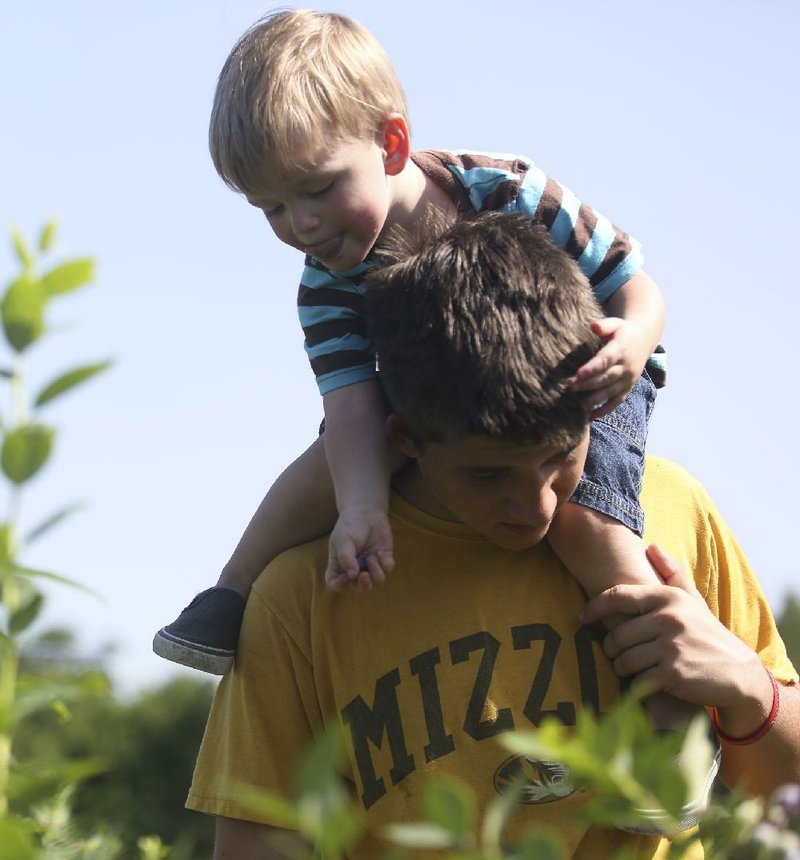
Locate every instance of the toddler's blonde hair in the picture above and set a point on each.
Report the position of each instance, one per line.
(294, 81)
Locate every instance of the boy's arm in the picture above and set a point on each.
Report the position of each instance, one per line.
(674, 642)
(358, 458)
(246, 840)
(774, 760)
(630, 331)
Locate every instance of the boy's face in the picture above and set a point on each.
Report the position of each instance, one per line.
(334, 207)
(509, 493)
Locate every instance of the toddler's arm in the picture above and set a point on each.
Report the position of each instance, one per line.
(631, 332)
(358, 458)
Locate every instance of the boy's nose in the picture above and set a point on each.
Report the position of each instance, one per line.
(537, 508)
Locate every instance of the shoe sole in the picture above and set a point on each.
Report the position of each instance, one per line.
(204, 658)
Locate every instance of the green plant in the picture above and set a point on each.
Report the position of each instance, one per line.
(617, 758)
(26, 447)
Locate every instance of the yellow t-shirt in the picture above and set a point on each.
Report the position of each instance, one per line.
(465, 641)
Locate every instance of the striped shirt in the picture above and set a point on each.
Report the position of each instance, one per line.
(331, 304)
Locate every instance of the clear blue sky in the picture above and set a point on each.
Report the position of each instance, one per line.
(677, 120)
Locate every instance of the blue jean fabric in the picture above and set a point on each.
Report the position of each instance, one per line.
(612, 477)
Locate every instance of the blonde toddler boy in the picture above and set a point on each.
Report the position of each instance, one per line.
(310, 124)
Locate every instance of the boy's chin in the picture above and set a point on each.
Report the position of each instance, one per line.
(517, 537)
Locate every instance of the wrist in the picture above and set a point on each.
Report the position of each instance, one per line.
(753, 715)
(363, 508)
(362, 495)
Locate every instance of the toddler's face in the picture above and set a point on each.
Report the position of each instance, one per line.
(334, 207)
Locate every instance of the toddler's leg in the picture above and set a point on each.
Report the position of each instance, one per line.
(596, 534)
(600, 552)
(299, 507)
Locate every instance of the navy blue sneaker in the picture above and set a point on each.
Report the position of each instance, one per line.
(204, 636)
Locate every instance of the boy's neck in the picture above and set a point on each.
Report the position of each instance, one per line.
(412, 192)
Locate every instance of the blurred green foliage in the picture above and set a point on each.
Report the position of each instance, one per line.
(142, 750)
(789, 627)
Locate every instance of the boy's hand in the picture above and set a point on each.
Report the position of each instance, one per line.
(608, 377)
(360, 550)
(671, 641)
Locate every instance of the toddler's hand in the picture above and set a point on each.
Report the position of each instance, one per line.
(608, 377)
(360, 550)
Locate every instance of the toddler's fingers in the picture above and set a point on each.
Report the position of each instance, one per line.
(376, 570)
(607, 326)
(607, 406)
(363, 582)
(335, 580)
(386, 559)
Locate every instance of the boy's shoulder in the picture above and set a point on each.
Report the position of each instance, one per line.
(663, 475)
(289, 582)
(676, 504)
(665, 479)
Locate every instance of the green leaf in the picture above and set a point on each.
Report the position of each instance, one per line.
(696, 756)
(25, 450)
(50, 523)
(69, 380)
(151, 848)
(541, 845)
(22, 310)
(16, 837)
(54, 577)
(497, 814)
(320, 768)
(279, 812)
(451, 805)
(420, 835)
(37, 778)
(21, 249)
(341, 829)
(24, 617)
(67, 277)
(46, 694)
(48, 235)
(8, 547)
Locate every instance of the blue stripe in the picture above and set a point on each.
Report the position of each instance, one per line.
(567, 217)
(342, 378)
(338, 344)
(480, 182)
(623, 272)
(531, 190)
(312, 314)
(314, 279)
(595, 252)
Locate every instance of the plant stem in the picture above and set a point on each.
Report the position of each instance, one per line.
(9, 657)
(9, 665)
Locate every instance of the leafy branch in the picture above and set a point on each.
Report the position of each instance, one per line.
(26, 448)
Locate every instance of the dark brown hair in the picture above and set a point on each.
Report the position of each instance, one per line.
(479, 327)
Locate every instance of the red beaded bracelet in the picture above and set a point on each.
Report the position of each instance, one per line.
(762, 729)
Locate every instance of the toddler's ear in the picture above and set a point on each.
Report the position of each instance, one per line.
(396, 143)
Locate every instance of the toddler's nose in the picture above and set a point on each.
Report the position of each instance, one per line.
(304, 222)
